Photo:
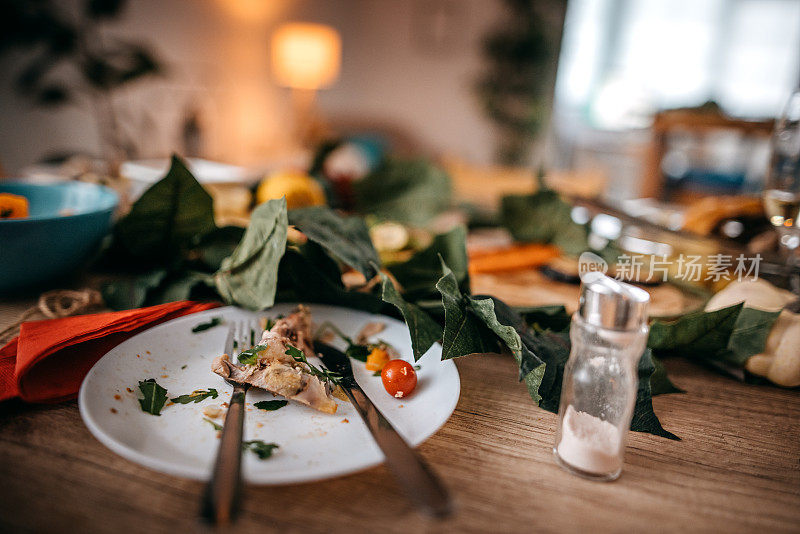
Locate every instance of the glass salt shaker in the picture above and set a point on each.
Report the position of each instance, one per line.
(608, 335)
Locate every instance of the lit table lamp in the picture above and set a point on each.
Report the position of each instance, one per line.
(306, 57)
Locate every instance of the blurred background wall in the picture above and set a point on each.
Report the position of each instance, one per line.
(216, 54)
(412, 67)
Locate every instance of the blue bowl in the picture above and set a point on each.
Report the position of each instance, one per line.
(66, 225)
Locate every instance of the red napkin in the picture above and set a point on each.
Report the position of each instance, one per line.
(48, 360)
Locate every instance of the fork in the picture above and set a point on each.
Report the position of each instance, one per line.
(221, 498)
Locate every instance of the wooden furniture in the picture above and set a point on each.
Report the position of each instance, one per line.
(737, 469)
(697, 122)
(486, 185)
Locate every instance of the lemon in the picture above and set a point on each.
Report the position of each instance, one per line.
(299, 189)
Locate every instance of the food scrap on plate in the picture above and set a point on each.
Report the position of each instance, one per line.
(277, 370)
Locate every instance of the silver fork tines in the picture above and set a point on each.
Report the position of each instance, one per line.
(242, 335)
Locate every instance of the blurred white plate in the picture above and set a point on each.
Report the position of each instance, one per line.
(144, 173)
(313, 445)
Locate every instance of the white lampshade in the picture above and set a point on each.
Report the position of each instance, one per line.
(305, 55)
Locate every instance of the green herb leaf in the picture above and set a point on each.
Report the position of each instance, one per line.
(358, 352)
(259, 448)
(419, 275)
(195, 396)
(153, 396)
(216, 426)
(270, 405)
(250, 356)
(173, 213)
(322, 374)
(424, 331)
(377, 373)
(345, 238)
(215, 321)
(249, 276)
(407, 191)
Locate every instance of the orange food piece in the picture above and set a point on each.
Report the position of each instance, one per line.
(13, 206)
(513, 258)
(377, 359)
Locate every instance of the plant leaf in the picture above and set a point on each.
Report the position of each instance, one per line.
(345, 238)
(659, 381)
(259, 448)
(728, 336)
(544, 217)
(424, 331)
(541, 355)
(419, 275)
(407, 191)
(103, 8)
(699, 333)
(153, 396)
(541, 358)
(644, 418)
(270, 405)
(749, 336)
(154, 287)
(250, 356)
(464, 333)
(52, 95)
(303, 280)
(249, 276)
(216, 426)
(532, 368)
(215, 321)
(217, 245)
(196, 396)
(129, 293)
(175, 212)
(553, 317)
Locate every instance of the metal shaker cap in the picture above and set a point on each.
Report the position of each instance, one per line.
(608, 303)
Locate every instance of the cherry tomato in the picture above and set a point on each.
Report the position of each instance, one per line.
(399, 378)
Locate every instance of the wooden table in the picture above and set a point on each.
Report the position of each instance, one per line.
(736, 470)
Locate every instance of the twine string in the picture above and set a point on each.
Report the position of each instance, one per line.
(53, 305)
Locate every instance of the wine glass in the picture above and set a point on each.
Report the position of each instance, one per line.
(782, 185)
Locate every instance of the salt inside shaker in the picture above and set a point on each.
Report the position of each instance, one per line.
(608, 335)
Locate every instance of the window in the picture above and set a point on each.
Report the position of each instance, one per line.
(622, 60)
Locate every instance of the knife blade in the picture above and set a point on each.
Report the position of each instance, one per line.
(419, 481)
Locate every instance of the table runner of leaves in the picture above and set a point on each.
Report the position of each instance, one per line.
(174, 250)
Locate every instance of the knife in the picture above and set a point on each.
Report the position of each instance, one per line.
(420, 483)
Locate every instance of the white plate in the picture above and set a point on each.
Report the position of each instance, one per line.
(313, 445)
(144, 173)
